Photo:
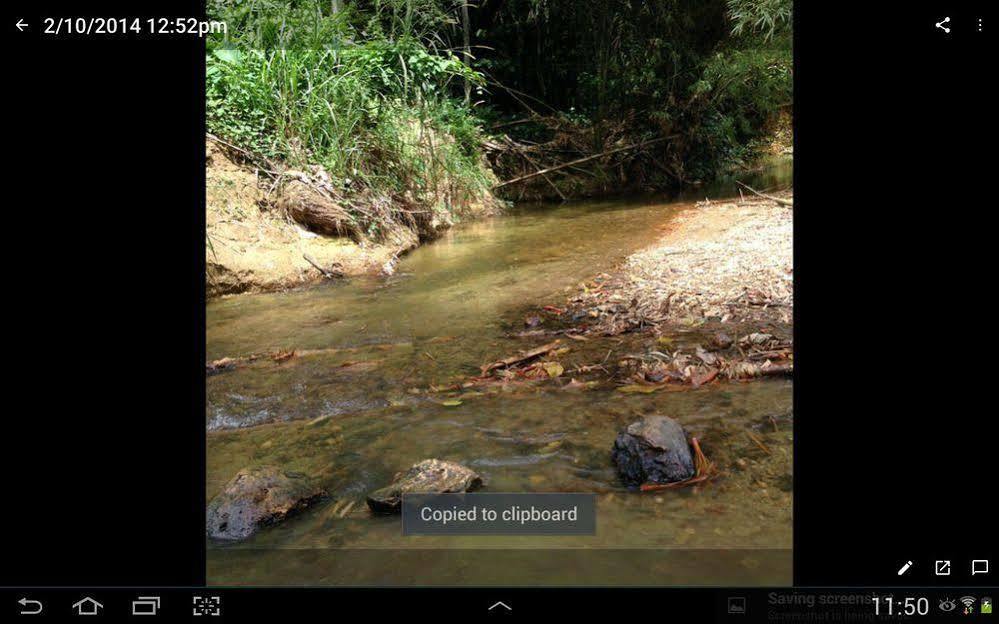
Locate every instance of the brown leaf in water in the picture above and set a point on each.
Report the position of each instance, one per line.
(706, 356)
(283, 356)
(220, 365)
(638, 389)
(756, 339)
(700, 380)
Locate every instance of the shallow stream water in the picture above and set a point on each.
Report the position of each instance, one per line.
(353, 409)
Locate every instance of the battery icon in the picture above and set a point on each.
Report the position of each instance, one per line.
(986, 605)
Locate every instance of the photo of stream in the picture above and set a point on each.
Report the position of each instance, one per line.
(513, 320)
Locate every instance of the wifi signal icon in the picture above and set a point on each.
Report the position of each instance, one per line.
(969, 603)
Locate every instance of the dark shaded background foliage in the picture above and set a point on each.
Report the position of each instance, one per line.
(340, 82)
(715, 70)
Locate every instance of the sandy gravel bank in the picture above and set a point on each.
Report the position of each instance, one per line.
(720, 261)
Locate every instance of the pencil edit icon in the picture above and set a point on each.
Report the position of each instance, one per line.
(904, 568)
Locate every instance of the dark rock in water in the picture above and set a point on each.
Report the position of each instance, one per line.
(653, 450)
(258, 497)
(430, 476)
(721, 340)
(657, 374)
(532, 321)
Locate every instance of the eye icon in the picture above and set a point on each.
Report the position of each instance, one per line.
(947, 605)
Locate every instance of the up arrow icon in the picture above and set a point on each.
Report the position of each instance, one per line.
(501, 604)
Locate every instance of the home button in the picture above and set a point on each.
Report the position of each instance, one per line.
(87, 606)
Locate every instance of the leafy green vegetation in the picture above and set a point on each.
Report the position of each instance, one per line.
(398, 96)
(375, 112)
(714, 71)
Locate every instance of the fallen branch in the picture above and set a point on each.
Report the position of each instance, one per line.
(775, 370)
(282, 355)
(545, 176)
(749, 370)
(758, 442)
(262, 163)
(655, 487)
(515, 122)
(523, 357)
(583, 160)
(783, 202)
(327, 274)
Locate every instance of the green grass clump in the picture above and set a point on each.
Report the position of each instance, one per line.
(382, 112)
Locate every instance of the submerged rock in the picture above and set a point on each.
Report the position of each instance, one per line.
(653, 450)
(721, 340)
(258, 497)
(430, 476)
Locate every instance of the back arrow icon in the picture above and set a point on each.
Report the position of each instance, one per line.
(21, 25)
(35, 604)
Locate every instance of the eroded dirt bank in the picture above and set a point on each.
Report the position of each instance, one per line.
(253, 247)
(266, 234)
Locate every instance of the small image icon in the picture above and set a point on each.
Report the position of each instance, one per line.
(947, 605)
(941, 26)
(979, 566)
(30, 607)
(969, 604)
(942, 567)
(986, 605)
(904, 568)
(737, 605)
(208, 605)
(146, 605)
(87, 606)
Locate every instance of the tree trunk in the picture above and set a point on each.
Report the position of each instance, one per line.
(467, 45)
